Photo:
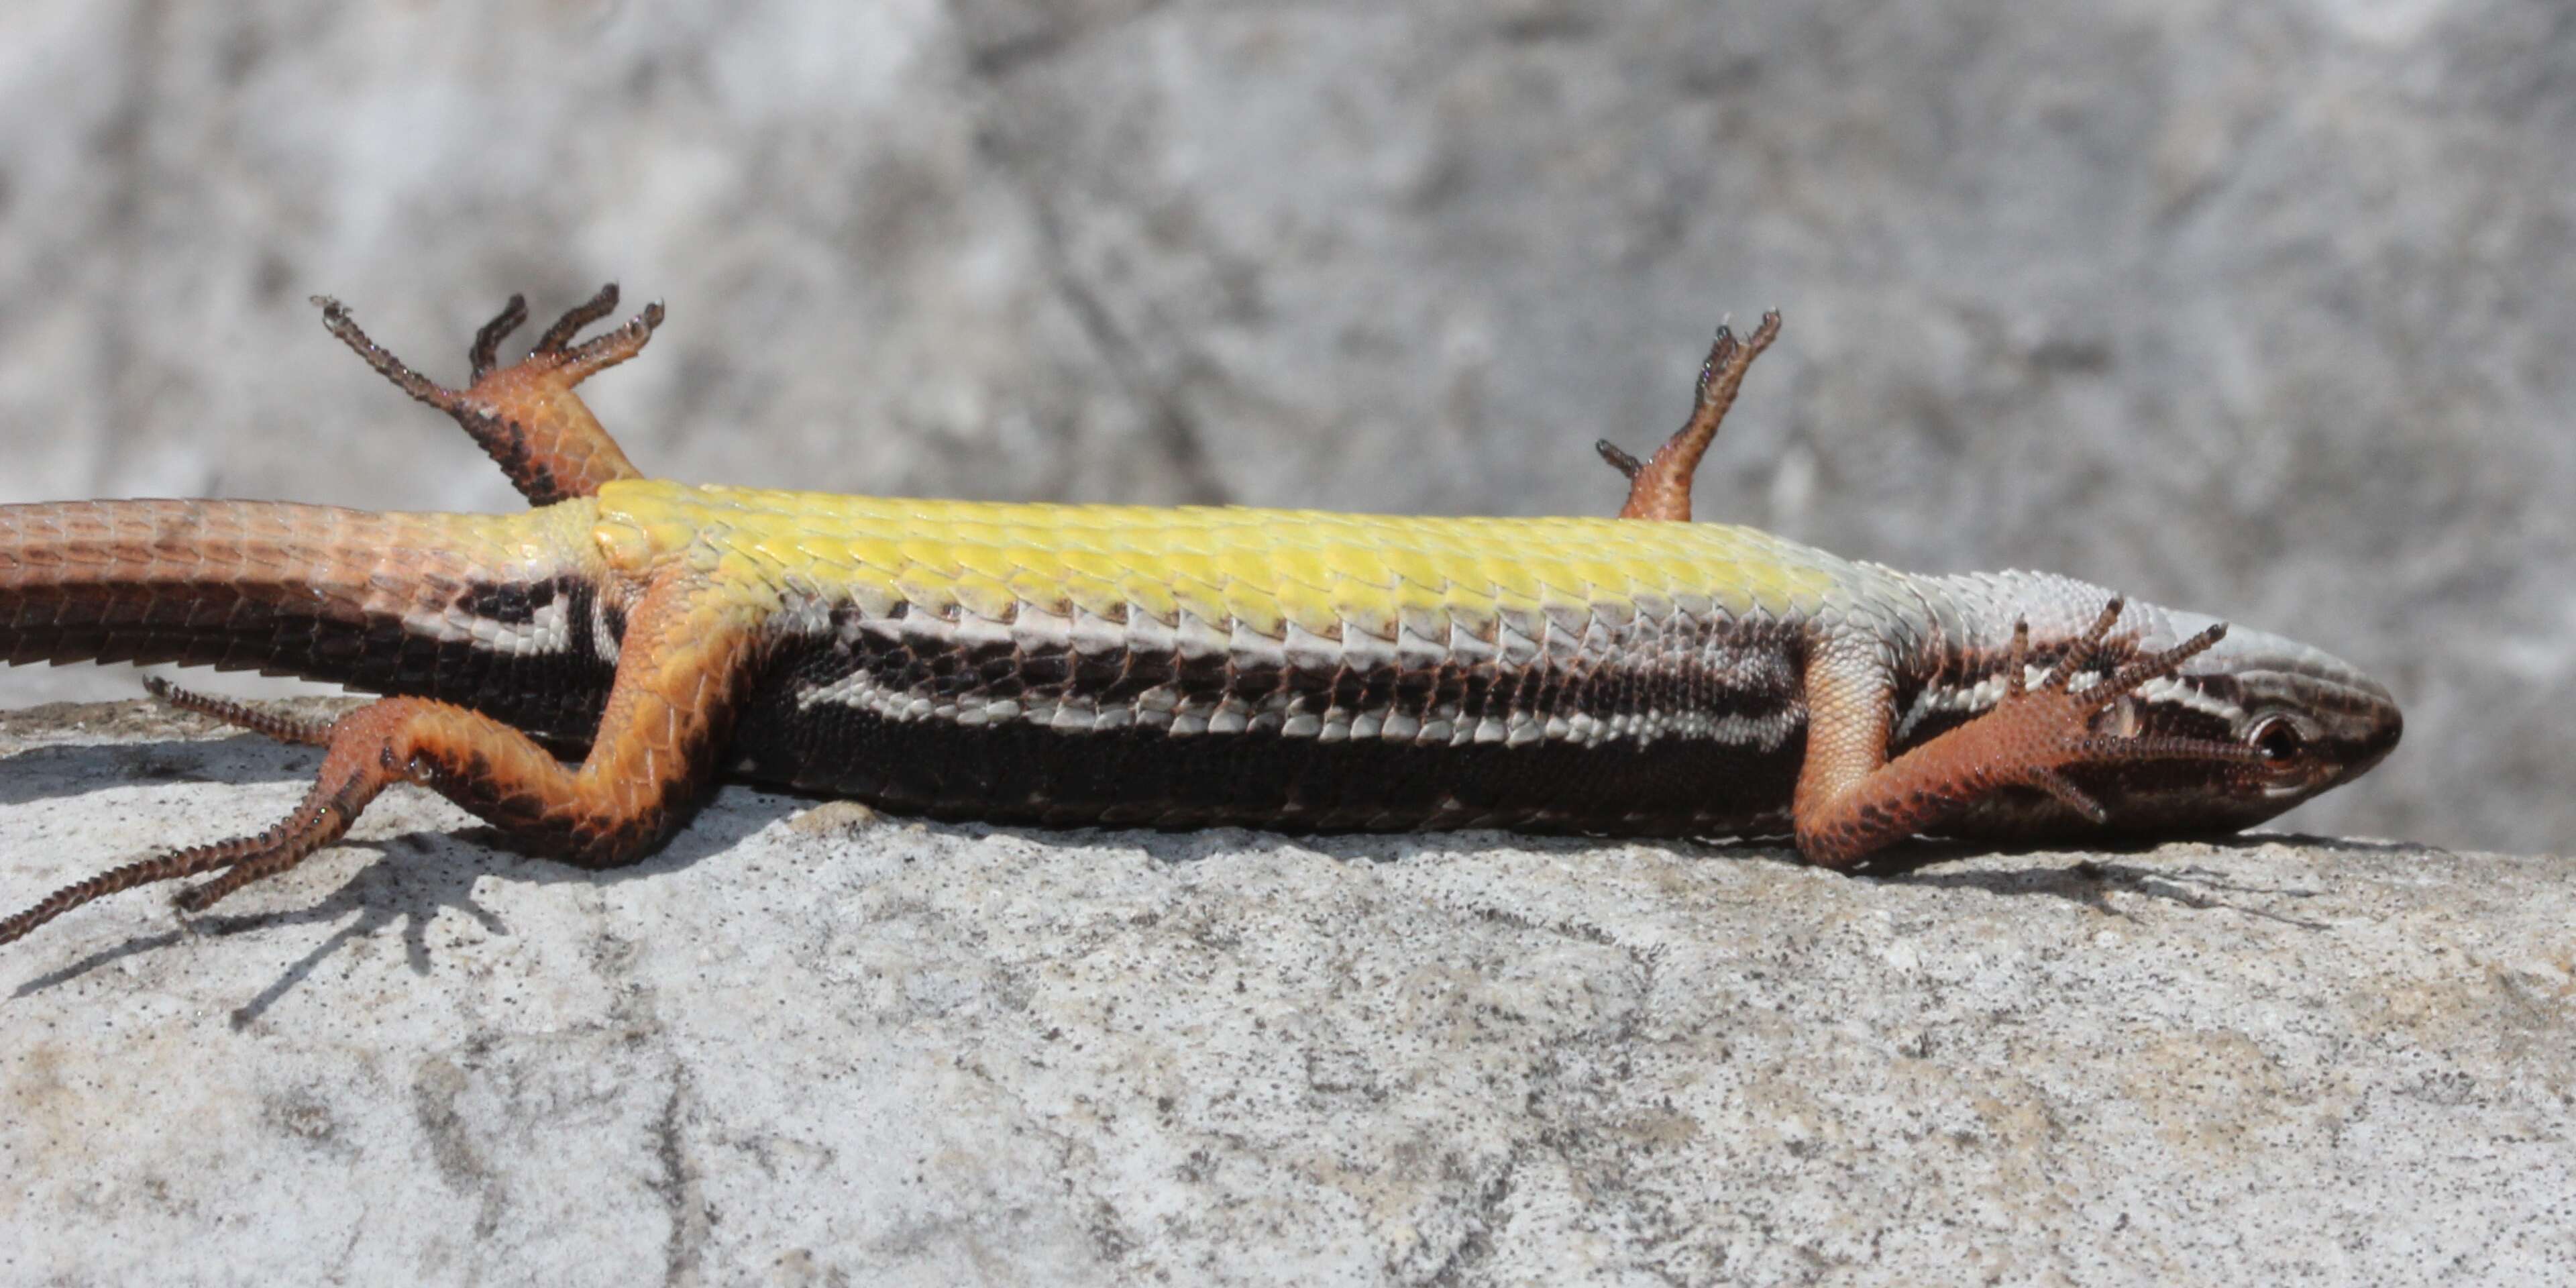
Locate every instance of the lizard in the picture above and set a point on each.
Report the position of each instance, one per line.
(581, 674)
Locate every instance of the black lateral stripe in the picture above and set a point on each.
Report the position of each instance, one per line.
(1011, 768)
(276, 630)
(1144, 777)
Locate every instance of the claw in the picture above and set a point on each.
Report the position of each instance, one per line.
(487, 341)
(1619, 459)
(2156, 666)
(335, 317)
(599, 305)
(2083, 650)
(1721, 354)
(2069, 795)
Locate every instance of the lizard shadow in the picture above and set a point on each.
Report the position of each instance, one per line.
(76, 769)
(1182, 846)
(397, 888)
(415, 875)
(2091, 880)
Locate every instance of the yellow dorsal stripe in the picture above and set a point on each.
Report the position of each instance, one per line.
(1258, 568)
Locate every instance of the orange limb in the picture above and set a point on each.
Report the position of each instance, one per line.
(526, 414)
(1851, 799)
(1660, 486)
(669, 714)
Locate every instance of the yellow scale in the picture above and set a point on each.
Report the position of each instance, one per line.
(1262, 569)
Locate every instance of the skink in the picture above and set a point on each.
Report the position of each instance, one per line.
(1160, 667)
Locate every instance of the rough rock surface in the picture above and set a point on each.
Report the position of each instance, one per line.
(2260, 307)
(810, 1045)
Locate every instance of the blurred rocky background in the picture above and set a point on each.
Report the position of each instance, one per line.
(2261, 307)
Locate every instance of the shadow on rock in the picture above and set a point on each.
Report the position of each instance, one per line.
(2090, 880)
(50, 773)
(420, 874)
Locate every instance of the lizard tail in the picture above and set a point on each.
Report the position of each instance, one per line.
(467, 608)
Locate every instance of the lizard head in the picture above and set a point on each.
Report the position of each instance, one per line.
(2312, 721)
(2286, 722)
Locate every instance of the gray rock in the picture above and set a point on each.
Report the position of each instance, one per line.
(808, 1044)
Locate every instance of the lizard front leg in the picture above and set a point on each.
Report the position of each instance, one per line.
(1851, 799)
(686, 653)
(1660, 486)
(526, 415)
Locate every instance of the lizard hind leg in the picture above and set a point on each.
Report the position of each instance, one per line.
(321, 819)
(348, 780)
(526, 415)
(1660, 486)
(668, 714)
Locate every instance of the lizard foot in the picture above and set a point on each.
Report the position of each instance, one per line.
(346, 785)
(1660, 487)
(2035, 733)
(526, 414)
(2029, 739)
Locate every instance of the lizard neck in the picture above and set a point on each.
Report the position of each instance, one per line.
(1956, 669)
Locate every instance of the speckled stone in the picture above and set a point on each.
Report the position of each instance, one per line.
(808, 1044)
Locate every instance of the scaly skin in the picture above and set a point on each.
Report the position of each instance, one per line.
(1167, 667)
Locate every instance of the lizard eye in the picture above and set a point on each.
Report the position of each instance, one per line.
(2279, 740)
